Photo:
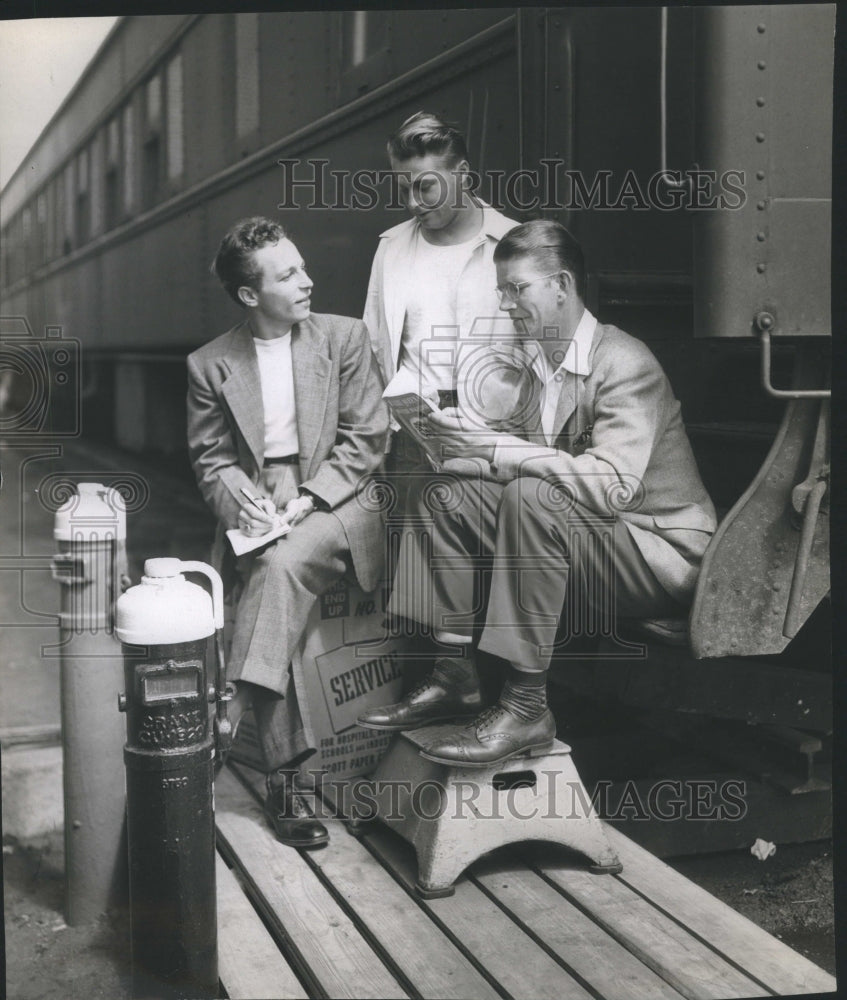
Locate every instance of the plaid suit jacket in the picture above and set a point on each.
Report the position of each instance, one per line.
(341, 423)
(621, 450)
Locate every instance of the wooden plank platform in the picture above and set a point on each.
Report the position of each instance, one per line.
(525, 922)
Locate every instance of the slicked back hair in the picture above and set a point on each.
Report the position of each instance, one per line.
(549, 245)
(425, 134)
(234, 263)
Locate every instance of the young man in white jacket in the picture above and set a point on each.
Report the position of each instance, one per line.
(432, 309)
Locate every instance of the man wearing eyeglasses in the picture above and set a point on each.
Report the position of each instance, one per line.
(596, 503)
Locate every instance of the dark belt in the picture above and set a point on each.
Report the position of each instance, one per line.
(281, 460)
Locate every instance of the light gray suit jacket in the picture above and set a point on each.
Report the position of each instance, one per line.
(620, 449)
(341, 424)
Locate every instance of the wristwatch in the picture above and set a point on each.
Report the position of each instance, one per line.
(316, 502)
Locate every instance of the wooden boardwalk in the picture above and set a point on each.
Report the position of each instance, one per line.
(530, 922)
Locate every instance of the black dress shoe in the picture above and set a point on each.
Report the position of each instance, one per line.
(496, 735)
(437, 698)
(291, 819)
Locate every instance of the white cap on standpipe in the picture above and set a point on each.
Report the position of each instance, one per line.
(95, 513)
(165, 607)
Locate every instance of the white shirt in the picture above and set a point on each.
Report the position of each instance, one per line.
(574, 361)
(277, 381)
(431, 326)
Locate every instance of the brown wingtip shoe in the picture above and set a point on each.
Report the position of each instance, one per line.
(451, 691)
(494, 736)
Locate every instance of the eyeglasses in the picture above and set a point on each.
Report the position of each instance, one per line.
(512, 289)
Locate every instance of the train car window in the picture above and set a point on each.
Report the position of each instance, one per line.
(111, 190)
(113, 142)
(10, 253)
(151, 157)
(246, 74)
(365, 37)
(153, 96)
(40, 228)
(356, 37)
(175, 140)
(20, 247)
(50, 221)
(82, 211)
(68, 205)
(82, 171)
(26, 234)
(96, 194)
(129, 158)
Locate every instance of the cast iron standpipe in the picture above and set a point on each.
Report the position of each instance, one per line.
(164, 623)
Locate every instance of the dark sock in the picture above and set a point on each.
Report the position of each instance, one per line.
(452, 649)
(289, 771)
(525, 693)
(279, 778)
(242, 701)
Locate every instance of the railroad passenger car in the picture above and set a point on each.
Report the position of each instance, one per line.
(688, 149)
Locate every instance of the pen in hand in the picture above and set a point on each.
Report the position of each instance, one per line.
(254, 500)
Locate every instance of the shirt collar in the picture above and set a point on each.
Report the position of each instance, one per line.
(576, 359)
(261, 342)
(495, 225)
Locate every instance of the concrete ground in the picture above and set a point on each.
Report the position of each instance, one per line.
(790, 894)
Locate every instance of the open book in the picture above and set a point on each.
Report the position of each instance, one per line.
(242, 543)
(410, 411)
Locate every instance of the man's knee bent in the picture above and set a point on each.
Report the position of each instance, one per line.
(316, 553)
(437, 495)
(535, 496)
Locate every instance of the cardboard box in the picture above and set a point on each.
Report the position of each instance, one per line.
(348, 666)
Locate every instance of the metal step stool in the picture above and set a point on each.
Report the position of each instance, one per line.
(453, 814)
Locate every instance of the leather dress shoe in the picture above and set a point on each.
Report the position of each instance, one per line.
(291, 819)
(493, 737)
(435, 699)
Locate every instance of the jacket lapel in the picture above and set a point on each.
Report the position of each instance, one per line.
(242, 389)
(312, 368)
(571, 388)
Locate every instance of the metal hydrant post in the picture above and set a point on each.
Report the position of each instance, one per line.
(164, 623)
(90, 529)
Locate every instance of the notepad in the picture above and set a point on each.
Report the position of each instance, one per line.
(242, 543)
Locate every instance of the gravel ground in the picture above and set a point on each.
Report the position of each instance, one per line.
(790, 895)
(46, 959)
